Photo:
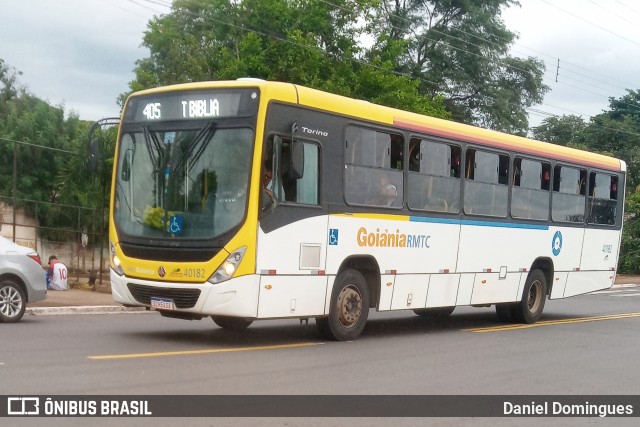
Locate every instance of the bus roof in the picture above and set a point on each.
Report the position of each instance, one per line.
(364, 110)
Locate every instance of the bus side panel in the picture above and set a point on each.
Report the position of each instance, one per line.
(236, 297)
(488, 248)
(387, 282)
(410, 291)
(298, 248)
(401, 245)
(292, 296)
(559, 284)
(600, 250)
(443, 290)
(564, 247)
(489, 288)
(465, 289)
(582, 282)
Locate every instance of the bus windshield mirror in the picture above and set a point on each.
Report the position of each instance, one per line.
(296, 169)
(125, 175)
(94, 157)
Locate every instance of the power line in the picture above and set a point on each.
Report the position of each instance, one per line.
(484, 39)
(36, 145)
(436, 40)
(122, 8)
(302, 45)
(627, 6)
(591, 23)
(509, 65)
(314, 48)
(612, 13)
(142, 5)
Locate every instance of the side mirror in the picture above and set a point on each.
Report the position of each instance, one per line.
(94, 155)
(125, 174)
(296, 171)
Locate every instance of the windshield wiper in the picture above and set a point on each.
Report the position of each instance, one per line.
(204, 135)
(149, 139)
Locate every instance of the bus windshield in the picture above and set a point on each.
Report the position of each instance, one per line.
(182, 183)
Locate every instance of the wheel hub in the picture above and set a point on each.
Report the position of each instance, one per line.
(10, 302)
(349, 306)
(535, 295)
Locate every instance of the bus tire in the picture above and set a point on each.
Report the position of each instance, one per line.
(438, 313)
(504, 312)
(529, 309)
(348, 310)
(13, 302)
(231, 323)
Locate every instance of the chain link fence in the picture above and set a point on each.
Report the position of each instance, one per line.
(75, 240)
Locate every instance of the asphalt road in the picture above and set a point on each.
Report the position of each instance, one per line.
(583, 345)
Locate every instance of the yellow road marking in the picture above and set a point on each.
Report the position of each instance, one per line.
(209, 351)
(553, 322)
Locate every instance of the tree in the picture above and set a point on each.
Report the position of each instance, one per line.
(568, 130)
(629, 262)
(309, 42)
(49, 138)
(617, 131)
(458, 49)
(88, 185)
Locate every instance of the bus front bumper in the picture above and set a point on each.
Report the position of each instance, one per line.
(237, 297)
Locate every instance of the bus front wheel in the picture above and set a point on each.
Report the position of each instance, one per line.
(231, 323)
(348, 310)
(529, 309)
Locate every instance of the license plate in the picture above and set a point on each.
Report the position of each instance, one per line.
(162, 304)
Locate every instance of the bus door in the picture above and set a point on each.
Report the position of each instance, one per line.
(292, 231)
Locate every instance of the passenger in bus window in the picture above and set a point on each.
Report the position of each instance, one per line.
(267, 178)
(268, 194)
(387, 192)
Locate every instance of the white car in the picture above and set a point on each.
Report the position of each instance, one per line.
(22, 280)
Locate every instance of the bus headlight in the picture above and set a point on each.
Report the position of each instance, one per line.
(228, 267)
(116, 265)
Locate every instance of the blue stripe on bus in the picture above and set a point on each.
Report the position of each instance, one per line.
(478, 223)
(434, 220)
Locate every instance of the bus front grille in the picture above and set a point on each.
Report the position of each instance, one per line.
(183, 298)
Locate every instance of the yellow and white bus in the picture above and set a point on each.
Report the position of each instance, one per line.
(246, 200)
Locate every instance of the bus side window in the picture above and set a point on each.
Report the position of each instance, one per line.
(373, 168)
(569, 191)
(433, 176)
(530, 191)
(303, 190)
(602, 202)
(486, 189)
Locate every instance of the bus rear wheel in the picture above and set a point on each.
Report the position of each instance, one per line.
(348, 310)
(529, 309)
(231, 323)
(503, 312)
(438, 313)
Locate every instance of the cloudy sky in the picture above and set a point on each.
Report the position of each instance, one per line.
(81, 53)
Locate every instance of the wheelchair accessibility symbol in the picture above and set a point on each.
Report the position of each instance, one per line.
(556, 243)
(175, 224)
(333, 236)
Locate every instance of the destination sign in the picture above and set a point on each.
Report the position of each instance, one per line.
(192, 105)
